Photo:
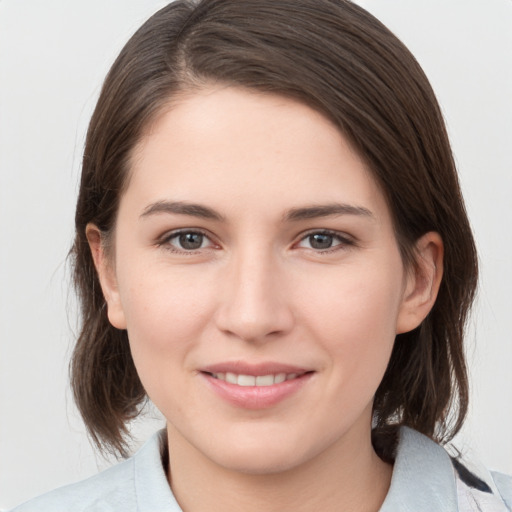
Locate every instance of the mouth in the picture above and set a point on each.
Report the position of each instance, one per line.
(241, 379)
(255, 386)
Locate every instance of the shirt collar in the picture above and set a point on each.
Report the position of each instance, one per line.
(151, 486)
(423, 477)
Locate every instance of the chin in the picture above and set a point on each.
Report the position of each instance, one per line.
(261, 454)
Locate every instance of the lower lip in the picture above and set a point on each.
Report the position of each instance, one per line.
(256, 397)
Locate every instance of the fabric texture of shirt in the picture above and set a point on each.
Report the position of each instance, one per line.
(424, 480)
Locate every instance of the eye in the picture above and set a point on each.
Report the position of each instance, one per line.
(320, 241)
(187, 241)
(324, 240)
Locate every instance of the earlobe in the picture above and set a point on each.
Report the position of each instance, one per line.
(106, 275)
(422, 282)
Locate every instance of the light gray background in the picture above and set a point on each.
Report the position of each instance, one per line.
(53, 56)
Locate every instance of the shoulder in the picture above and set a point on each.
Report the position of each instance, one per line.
(106, 491)
(425, 478)
(137, 484)
(494, 496)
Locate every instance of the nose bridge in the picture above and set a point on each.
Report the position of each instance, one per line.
(253, 304)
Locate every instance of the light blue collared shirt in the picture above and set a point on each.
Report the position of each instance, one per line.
(424, 480)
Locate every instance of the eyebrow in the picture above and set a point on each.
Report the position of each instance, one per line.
(292, 215)
(328, 210)
(182, 208)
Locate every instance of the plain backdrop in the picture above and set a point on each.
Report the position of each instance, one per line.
(53, 57)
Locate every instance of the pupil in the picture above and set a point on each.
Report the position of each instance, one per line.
(320, 241)
(191, 241)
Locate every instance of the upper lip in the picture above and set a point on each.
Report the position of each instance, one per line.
(255, 369)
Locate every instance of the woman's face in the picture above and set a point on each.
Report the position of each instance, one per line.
(256, 270)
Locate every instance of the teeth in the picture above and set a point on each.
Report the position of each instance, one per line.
(230, 377)
(280, 377)
(251, 380)
(246, 380)
(264, 380)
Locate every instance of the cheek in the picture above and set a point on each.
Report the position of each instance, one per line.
(165, 314)
(356, 300)
(354, 314)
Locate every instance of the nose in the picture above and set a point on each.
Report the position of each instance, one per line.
(254, 305)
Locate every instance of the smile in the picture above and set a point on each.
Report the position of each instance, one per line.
(256, 387)
(252, 380)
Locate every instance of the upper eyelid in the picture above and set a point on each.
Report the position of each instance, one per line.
(172, 234)
(175, 232)
(340, 234)
(345, 240)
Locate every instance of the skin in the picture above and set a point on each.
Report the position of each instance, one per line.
(259, 289)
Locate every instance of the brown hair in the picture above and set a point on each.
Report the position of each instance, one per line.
(339, 59)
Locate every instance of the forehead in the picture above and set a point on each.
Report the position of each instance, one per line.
(221, 144)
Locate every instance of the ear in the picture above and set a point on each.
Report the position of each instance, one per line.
(107, 276)
(422, 282)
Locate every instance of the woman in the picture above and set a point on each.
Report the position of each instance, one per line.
(271, 245)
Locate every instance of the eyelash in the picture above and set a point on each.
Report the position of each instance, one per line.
(344, 241)
(165, 242)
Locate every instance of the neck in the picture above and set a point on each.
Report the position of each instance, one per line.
(349, 476)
